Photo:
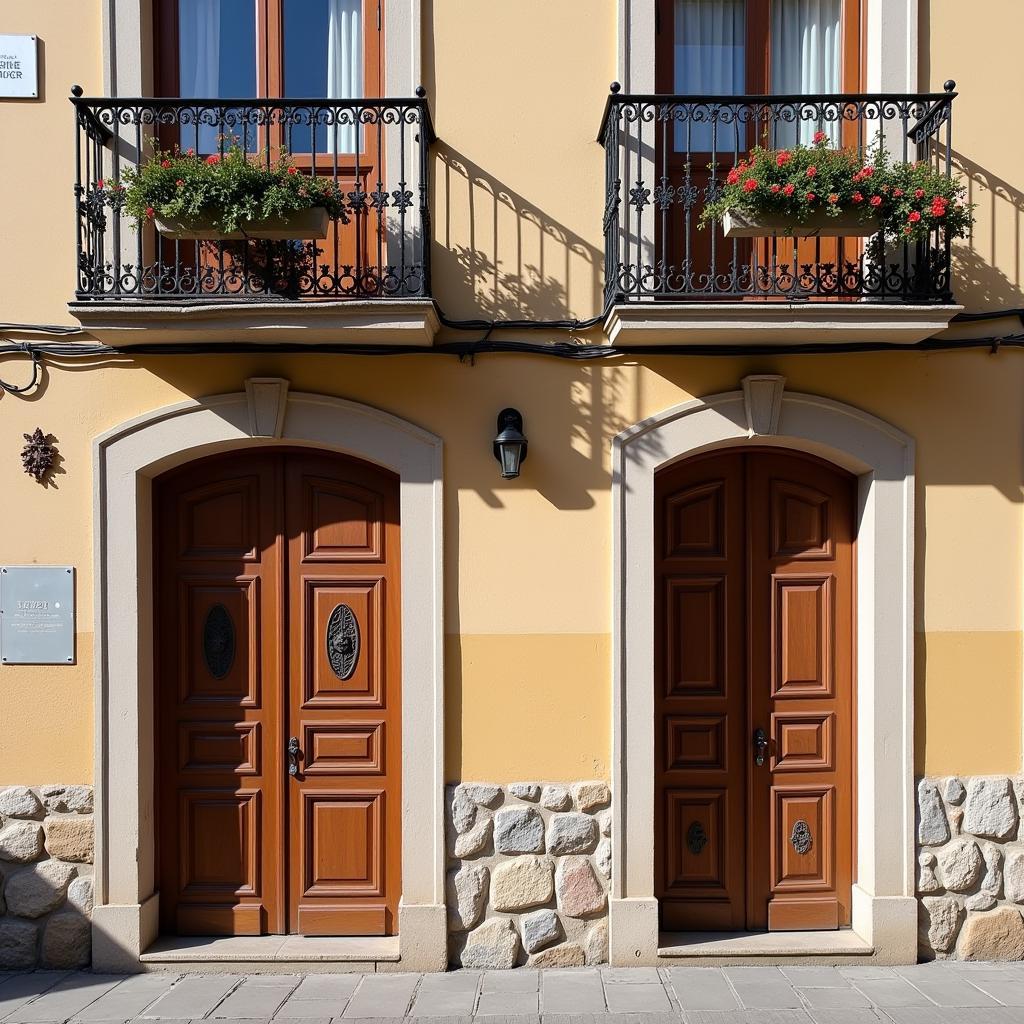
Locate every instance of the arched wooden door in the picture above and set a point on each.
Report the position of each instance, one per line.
(754, 684)
(278, 743)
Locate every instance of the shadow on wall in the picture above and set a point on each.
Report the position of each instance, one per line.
(980, 277)
(516, 263)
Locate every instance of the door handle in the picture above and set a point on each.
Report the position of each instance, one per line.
(760, 746)
(293, 755)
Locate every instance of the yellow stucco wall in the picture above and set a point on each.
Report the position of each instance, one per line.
(518, 199)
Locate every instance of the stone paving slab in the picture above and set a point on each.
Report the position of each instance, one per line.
(924, 994)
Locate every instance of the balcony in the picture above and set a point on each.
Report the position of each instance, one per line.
(366, 281)
(669, 281)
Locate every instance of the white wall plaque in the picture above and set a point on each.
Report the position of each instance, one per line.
(19, 74)
(37, 614)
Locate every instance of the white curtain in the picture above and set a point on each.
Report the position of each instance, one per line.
(199, 63)
(805, 59)
(344, 66)
(709, 58)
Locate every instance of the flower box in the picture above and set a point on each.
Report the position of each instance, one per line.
(313, 222)
(848, 224)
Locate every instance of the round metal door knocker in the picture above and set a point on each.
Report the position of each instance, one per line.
(342, 641)
(800, 837)
(696, 838)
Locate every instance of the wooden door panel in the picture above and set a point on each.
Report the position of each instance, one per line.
(219, 640)
(220, 521)
(802, 741)
(696, 636)
(342, 628)
(695, 742)
(219, 747)
(345, 798)
(800, 518)
(803, 642)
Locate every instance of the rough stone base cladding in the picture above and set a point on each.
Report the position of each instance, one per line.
(970, 868)
(529, 866)
(46, 877)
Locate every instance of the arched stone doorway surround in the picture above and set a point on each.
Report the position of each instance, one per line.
(762, 412)
(126, 459)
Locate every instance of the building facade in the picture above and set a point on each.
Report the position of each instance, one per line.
(728, 667)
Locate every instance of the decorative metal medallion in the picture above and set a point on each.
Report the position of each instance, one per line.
(343, 641)
(800, 837)
(38, 455)
(696, 838)
(218, 641)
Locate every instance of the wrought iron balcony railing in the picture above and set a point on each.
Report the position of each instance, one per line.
(667, 156)
(375, 150)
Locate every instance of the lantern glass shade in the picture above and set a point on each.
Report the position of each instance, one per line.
(510, 444)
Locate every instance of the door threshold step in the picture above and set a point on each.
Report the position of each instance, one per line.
(277, 949)
(726, 945)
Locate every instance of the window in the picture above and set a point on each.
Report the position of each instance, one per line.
(292, 49)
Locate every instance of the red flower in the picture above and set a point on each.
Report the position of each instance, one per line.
(789, 189)
(812, 171)
(913, 216)
(165, 163)
(875, 201)
(938, 207)
(810, 197)
(732, 177)
(99, 183)
(293, 170)
(150, 212)
(919, 193)
(897, 192)
(782, 158)
(179, 183)
(213, 159)
(776, 188)
(190, 151)
(907, 229)
(833, 198)
(866, 172)
(857, 197)
(749, 185)
(819, 137)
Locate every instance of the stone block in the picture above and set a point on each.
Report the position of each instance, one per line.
(494, 946)
(540, 929)
(483, 793)
(980, 901)
(67, 941)
(525, 790)
(926, 880)
(70, 838)
(992, 881)
(21, 841)
(17, 944)
(577, 888)
(518, 830)
(79, 799)
(990, 810)
(80, 895)
(38, 889)
(604, 821)
(960, 865)
(568, 954)
(939, 920)
(932, 827)
(955, 791)
(998, 935)
(1013, 876)
(467, 894)
(595, 945)
(603, 858)
(571, 833)
(556, 798)
(589, 796)
(464, 811)
(521, 883)
(20, 802)
(470, 843)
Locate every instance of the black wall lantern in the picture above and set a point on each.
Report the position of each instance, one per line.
(510, 444)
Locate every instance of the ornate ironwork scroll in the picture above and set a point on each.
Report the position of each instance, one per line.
(800, 837)
(342, 641)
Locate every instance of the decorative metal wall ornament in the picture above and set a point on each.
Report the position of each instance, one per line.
(218, 641)
(696, 838)
(800, 837)
(39, 454)
(342, 641)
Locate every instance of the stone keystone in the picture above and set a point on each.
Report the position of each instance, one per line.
(577, 887)
(991, 811)
(518, 830)
(493, 946)
(571, 833)
(521, 883)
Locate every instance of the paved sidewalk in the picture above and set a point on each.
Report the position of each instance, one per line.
(927, 994)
